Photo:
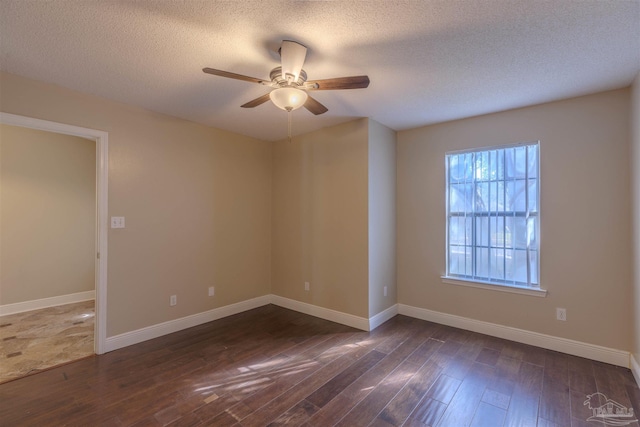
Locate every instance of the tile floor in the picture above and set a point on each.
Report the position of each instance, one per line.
(36, 340)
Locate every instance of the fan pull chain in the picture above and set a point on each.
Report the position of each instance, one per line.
(289, 123)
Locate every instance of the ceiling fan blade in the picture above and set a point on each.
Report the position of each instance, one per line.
(258, 101)
(234, 76)
(314, 106)
(354, 82)
(292, 55)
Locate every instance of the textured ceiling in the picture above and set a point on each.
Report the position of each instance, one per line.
(428, 61)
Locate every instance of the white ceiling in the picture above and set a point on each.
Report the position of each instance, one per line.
(428, 61)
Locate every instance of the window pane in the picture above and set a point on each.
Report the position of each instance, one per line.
(533, 161)
(533, 195)
(510, 162)
(519, 232)
(519, 197)
(454, 265)
(482, 263)
(501, 193)
(482, 166)
(493, 228)
(456, 231)
(456, 198)
(482, 197)
(532, 233)
(468, 194)
(482, 231)
(493, 162)
(521, 161)
(521, 266)
(493, 196)
(509, 196)
(497, 264)
(533, 259)
(510, 270)
(498, 232)
(456, 170)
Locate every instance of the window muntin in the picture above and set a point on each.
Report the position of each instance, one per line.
(493, 215)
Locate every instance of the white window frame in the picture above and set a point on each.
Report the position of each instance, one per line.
(503, 286)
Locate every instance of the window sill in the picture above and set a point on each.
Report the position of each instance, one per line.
(495, 287)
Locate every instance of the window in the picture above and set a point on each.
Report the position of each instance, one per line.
(493, 215)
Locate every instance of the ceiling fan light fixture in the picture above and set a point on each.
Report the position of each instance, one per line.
(288, 98)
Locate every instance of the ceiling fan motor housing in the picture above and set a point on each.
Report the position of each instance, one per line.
(279, 80)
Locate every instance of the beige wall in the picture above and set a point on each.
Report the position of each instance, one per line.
(205, 207)
(586, 263)
(47, 214)
(382, 217)
(320, 218)
(197, 203)
(635, 167)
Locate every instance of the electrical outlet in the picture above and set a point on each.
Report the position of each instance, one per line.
(173, 300)
(307, 286)
(212, 291)
(561, 314)
(385, 291)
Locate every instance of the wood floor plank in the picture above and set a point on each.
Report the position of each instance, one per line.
(428, 413)
(488, 356)
(444, 389)
(585, 383)
(279, 385)
(338, 407)
(496, 399)
(467, 397)
(337, 384)
(633, 391)
(488, 415)
(612, 382)
(554, 405)
(523, 410)
(403, 404)
(297, 415)
(369, 407)
(283, 402)
(320, 356)
(425, 351)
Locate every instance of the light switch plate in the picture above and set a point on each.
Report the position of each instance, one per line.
(117, 222)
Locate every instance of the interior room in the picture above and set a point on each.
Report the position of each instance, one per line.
(320, 213)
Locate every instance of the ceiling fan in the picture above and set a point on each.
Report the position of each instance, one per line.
(290, 82)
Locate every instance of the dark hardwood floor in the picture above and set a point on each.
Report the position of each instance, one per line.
(272, 366)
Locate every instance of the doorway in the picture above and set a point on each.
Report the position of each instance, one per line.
(98, 254)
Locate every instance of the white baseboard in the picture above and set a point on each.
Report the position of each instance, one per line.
(635, 368)
(321, 312)
(21, 307)
(382, 317)
(171, 326)
(155, 331)
(564, 345)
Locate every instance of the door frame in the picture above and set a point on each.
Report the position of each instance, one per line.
(101, 139)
